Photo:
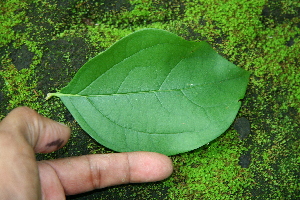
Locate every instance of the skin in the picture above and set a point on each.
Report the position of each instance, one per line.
(24, 132)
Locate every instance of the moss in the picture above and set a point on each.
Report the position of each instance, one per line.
(19, 86)
(212, 171)
(11, 14)
(44, 42)
(273, 143)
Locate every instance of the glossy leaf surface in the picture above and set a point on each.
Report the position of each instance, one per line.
(154, 91)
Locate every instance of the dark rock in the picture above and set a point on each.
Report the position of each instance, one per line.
(245, 160)
(1, 96)
(242, 126)
(22, 57)
(290, 42)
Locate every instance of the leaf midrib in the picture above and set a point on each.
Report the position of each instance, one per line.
(58, 94)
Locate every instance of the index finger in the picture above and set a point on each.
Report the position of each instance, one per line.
(86, 173)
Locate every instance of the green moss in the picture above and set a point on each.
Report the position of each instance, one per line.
(104, 36)
(19, 86)
(11, 14)
(274, 142)
(212, 172)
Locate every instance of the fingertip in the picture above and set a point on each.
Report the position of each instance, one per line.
(55, 135)
(43, 134)
(164, 165)
(149, 166)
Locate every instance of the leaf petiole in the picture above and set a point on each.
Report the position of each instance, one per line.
(58, 94)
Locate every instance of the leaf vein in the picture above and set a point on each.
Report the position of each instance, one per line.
(137, 131)
(123, 60)
(193, 102)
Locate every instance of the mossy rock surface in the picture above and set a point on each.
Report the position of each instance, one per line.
(44, 42)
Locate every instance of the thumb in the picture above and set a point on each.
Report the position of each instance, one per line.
(22, 132)
(42, 134)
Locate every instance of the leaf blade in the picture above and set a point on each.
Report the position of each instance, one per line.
(157, 95)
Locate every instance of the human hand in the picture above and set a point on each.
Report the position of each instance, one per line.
(24, 132)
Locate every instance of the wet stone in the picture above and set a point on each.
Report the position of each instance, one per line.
(242, 126)
(245, 160)
(22, 57)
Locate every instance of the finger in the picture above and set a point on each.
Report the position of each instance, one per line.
(22, 132)
(85, 173)
(18, 169)
(43, 134)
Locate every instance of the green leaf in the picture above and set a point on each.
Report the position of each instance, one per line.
(154, 91)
